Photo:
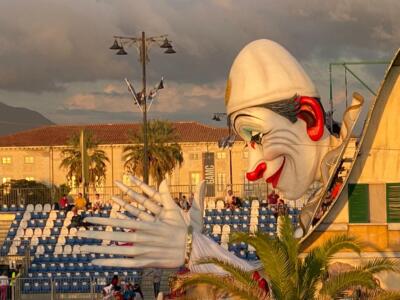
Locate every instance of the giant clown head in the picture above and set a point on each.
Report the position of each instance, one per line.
(275, 108)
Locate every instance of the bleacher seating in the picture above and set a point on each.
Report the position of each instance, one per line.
(44, 233)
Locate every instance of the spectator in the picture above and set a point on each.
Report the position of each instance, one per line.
(282, 208)
(336, 188)
(157, 273)
(184, 203)
(318, 216)
(107, 292)
(273, 199)
(129, 294)
(77, 220)
(63, 202)
(138, 291)
(80, 202)
(229, 198)
(191, 199)
(3, 286)
(96, 203)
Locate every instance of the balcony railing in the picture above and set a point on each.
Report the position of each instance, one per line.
(17, 196)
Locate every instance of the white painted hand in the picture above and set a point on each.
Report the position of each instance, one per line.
(158, 236)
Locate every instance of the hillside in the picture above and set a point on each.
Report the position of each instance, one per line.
(14, 119)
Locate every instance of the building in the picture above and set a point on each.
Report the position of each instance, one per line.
(36, 155)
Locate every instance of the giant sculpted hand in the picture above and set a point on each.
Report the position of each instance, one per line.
(157, 237)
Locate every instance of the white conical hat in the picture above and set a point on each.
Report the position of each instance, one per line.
(265, 72)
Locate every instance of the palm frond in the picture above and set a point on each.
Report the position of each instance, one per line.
(342, 281)
(275, 261)
(239, 274)
(387, 295)
(224, 283)
(380, 264)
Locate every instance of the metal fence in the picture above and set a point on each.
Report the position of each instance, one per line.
(64, 287)
(17, 196)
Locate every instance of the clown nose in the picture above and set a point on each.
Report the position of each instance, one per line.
(257, 173)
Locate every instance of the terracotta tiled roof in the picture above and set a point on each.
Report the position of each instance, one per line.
(58, 135)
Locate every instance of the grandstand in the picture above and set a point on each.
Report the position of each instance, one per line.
(42, 236)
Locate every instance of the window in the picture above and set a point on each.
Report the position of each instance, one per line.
(6, 179)
(6, 160)
(194, 178)
(193, 156)
(221, 182)
(29, 159)
(358, 203)
(221, 155)
(29, 178)
(393, 202)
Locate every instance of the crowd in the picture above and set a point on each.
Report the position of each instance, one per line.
(127, 291)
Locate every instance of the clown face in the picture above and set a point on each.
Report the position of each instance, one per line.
(281, 152)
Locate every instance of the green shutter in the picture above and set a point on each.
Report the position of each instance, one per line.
(358, 203)
(393, 202)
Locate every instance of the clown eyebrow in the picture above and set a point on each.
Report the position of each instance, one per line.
(288, 108)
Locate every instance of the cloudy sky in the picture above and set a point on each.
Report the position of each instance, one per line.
(54, 55)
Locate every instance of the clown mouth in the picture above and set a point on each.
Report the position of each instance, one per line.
(274, 178)
(259, 171)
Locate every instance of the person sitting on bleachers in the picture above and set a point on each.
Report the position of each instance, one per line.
(80, 202)
(230, 200)
(129, 294)
(138, 291)
(63, 202)
(77, 220)
(96, 203)
(282, 208)
(272, 199)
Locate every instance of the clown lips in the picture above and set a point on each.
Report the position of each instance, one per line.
(273, 173)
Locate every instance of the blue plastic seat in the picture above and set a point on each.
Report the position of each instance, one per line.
(227, 211)
(4, 208)
(227, 219)
(21, 207)
(218, 220)
(236, 212)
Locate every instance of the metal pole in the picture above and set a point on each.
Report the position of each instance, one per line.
(144, 103)
(331, 96)
(230, 153)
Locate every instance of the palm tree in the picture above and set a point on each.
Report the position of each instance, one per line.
(291, 277)
(72, 161)
(163, 151)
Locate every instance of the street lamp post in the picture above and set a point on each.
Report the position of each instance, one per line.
(143, 43)
(226, 141)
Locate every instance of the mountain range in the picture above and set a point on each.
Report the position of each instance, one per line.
(14, 119)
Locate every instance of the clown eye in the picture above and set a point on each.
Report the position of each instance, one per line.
(256, 137)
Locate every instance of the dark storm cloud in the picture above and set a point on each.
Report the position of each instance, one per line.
(48, 46)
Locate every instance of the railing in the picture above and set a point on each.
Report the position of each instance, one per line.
(18, 196)
(68, 287)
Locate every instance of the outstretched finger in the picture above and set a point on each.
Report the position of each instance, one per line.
(129, 224)
(146, 202)
(133, 263)
(149, 191)
(136, 250)
(128, 237)
(198, 202)
(142, 215)
(166, 198)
